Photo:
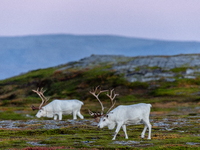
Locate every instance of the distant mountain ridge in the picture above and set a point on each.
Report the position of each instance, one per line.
(25, 53)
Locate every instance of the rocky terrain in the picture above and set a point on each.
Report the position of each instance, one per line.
(145, 69)
(42, 124)
(172, 126)
(174, 114)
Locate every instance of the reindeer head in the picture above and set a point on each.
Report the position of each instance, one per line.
(44, 99)
(97, 116)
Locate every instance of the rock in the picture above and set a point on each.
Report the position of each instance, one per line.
(190, 77)
(144, 69)
(189, 71)
(192, 143)
(170, 79)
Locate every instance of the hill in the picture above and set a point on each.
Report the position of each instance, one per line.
(169, 83)
(26, 53)
(151, 76)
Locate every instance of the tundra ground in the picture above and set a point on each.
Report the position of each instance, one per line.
(177, 128)
(175, 112)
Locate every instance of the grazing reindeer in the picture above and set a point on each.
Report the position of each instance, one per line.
(122, 115)
(57, 107)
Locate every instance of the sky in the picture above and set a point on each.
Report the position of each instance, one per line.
(153, 19)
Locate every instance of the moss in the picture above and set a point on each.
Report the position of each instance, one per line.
(32, 75)
(10, 115)
(180, 69)
(138, 85)
(86, 136)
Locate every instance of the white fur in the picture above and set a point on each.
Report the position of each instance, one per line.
(127, 115)
(61, 107)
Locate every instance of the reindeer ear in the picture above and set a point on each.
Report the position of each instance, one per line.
(34, 108)
(97, 119)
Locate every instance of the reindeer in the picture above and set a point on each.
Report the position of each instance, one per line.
(57, 107)
(122, 115)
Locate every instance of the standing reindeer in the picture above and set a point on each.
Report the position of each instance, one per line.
(57, 107)
(122, 115)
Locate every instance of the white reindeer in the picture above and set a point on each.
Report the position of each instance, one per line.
(57, 107)
(122, 115)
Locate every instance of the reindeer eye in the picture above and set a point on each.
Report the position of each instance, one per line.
(104, 119)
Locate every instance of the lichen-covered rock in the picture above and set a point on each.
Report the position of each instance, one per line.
(143, 68)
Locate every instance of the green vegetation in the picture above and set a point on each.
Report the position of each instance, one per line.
(173, 103)
(181, 69)
(87, 136)
(10, 115)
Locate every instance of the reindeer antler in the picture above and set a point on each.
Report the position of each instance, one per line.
(97, 97)
(44, 99)
(111, 99)
(111, 96)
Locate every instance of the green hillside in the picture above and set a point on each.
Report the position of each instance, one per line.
(75, 83)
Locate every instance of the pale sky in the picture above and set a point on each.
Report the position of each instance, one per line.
(154, 19)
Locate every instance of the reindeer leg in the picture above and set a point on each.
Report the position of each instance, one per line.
(143, 132)
(79, 114)
(147, 124)
(124, 129)
(74, 115)
(60, 116)
(55, 117)
(117, 130)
